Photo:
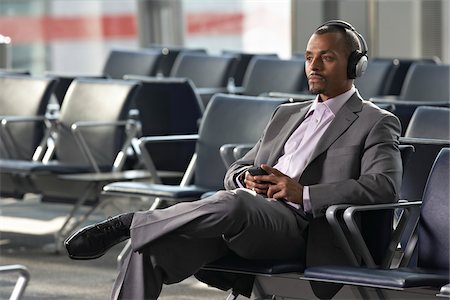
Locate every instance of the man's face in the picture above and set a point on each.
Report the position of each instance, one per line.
(326, 65)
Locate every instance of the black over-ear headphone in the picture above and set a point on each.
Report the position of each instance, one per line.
(357, 61)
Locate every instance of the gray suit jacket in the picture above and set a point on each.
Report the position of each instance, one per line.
(356, 161)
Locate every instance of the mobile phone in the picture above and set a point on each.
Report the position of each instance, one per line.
(254, 171)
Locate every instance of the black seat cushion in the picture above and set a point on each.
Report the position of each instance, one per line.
(394, 279)
(156, 190)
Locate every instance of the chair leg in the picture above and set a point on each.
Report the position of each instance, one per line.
(22, 281)
(232, 296)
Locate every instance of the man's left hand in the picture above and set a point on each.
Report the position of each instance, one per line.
(282, 186)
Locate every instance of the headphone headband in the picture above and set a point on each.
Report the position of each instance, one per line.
(358, 59)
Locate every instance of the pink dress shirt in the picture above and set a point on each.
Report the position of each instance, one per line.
(300, 145)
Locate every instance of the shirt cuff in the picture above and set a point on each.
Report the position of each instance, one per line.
(238, 182)
(306, 200)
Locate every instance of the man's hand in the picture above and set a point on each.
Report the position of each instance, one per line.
(275, 185)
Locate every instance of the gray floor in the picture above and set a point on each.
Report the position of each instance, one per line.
(26, 234)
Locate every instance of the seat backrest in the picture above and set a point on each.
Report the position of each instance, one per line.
(426, 82)
(243, 60)
(429, 123)
(139, 62)
(270, 74)
(228, 119)
(379, 73)
(94, 100)
(168, 56)
(24, 96)
(205, 71)
(433, 230)
(394, 86)
(168, 106)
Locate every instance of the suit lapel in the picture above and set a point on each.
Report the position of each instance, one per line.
(289, 127)
(343, 119)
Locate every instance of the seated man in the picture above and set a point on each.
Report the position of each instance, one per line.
(335, 149)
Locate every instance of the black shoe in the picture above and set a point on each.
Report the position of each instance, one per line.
(95, 240)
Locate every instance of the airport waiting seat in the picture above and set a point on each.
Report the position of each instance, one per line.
(120, 62)
(273, 278)
(205, 71)
(394, 86)
(209, 73)
(271, 74)
(167, 106)
(376, 79)
(228, 119)
(243, 60)
(425, 84)
(92, 135)
(431, 238)
(169, 55)
(429, 132)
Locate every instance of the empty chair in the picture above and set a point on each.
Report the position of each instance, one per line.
(120, 62)
(243, 60)
(269, 74)
(168, 106)
(209, 73)
(394, 86)
(377, 78)
(23, 104)
(205, 71)
(229, 119)
(431, 237)
(430, 123)
(90, 140)
(425, 84)
(168, 56)
(429, 132)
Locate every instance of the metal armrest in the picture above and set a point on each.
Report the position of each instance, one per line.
(356, 236)
(334, 215)
(226, 153)
(148, 162)
(410, 140)
(11, 140)
(132, 128)
(22, 281)
(240, 150)
(396, 101)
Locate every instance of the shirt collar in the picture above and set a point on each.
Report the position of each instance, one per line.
(334, 104)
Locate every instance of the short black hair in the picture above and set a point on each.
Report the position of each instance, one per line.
(352, 42)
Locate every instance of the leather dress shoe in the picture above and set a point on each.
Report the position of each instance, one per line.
(95, 240)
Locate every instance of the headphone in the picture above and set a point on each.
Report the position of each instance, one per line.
(357, 61)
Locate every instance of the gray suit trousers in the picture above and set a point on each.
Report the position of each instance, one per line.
(172, 244)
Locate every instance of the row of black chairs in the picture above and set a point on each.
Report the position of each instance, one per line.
(223, 107)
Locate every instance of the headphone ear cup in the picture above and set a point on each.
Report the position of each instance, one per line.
(357, 65)
(361, 66)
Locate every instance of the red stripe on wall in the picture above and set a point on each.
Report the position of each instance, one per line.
(32, 29)
(207, 23)
(49, 29)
